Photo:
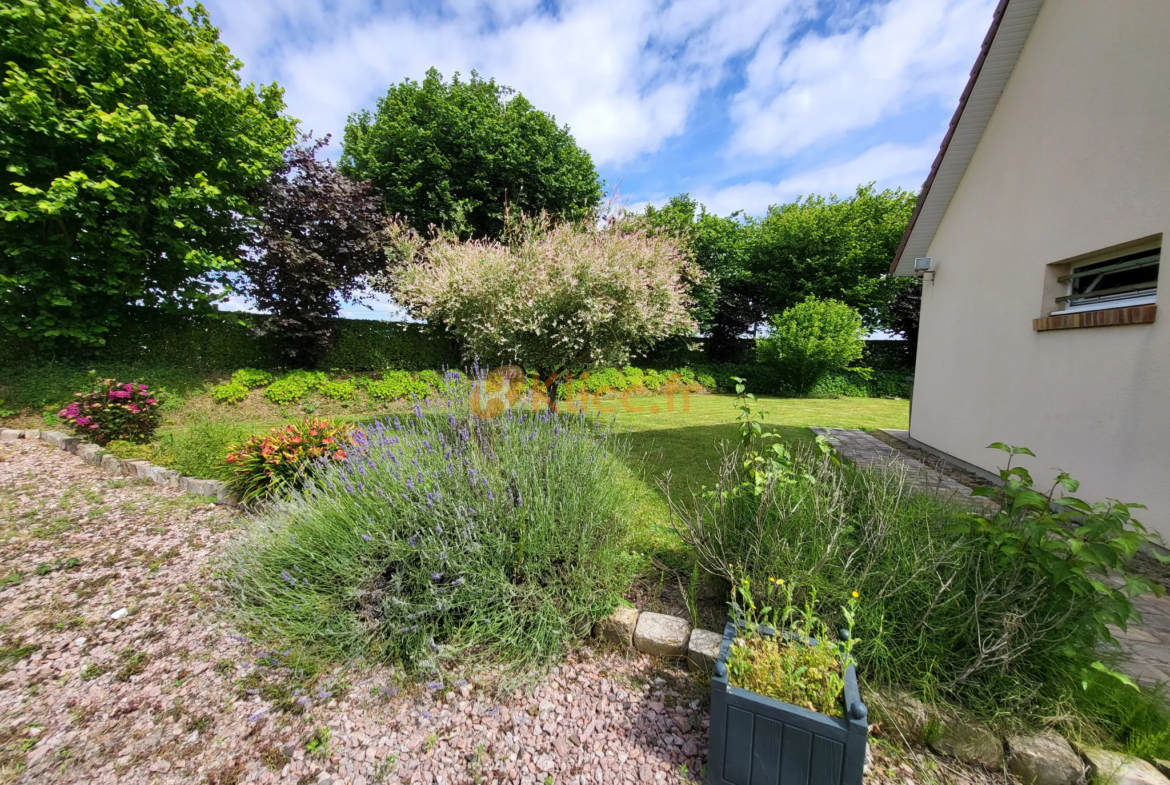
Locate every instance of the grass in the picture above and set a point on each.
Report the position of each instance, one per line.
(681, 436)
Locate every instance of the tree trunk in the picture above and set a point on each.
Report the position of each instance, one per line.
(553, 389)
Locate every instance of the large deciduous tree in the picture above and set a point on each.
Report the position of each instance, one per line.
(726, 301)
(902, 316)
(319, 238)
(459, 155)
(832, 248)
(555, 300)
(129, 146)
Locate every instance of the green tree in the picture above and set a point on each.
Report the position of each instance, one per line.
(130, 146)
(832, 248)
(811, 339)
(458, 155)
(726, 302)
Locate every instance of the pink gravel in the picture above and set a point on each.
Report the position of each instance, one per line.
(189, 715)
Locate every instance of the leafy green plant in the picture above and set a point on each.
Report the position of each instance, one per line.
(251, 377)
(811, 339)
(112, 410)
(431, 378)
(604, 380)
(317, 742)
(229, 392)
(396, 386)
(1072, 546)
(294, 386)
(444, 538)
(280, 461)
(338, 390)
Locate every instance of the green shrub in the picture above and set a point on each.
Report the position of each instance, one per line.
(280, 461)
(1000, 612)
(502, 546)
(340, 390)
(250, 377)
(811, 339)
(603, 380)
(113, 411)
(396, 386)
(654, 381)
(634, 376)
(229, 392)
(431, 379)
(294, 386)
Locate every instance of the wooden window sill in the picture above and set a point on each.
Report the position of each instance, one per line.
(1107, 317)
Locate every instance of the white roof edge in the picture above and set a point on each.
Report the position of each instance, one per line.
(1010, 31)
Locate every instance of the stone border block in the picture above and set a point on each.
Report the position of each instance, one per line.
(618, 627)
(90, 453)
(111, 464)
(703, 650)
(662, 635)
(60, 440)
(9, 434)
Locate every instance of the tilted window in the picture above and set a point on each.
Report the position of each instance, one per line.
(1123, 281)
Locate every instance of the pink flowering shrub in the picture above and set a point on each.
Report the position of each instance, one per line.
(113, 411)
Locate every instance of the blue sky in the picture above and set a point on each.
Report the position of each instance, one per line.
(742, 103)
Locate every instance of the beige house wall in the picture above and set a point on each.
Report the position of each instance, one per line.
(1075, 159)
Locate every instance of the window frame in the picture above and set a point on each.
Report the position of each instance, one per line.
(1142, 296)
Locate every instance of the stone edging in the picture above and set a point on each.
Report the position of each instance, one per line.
(661, 636)
(129, 468)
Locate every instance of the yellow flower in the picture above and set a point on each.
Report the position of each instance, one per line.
(856, 595)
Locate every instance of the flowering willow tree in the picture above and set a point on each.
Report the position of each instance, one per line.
(554, 299)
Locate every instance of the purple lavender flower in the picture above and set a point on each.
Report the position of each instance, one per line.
(256, 716)
(461, 683)
(436, 576)
(367, 537)
(286, 577)
(434, 685)
(304, 700)
(457, 582)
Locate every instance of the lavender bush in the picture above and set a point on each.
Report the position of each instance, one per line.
(444, 538)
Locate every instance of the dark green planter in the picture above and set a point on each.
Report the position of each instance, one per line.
(763, 741)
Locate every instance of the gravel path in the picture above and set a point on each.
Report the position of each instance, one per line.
(117, 665)
(167, 694)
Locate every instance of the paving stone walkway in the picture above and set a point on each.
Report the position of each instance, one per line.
(1147, 645)
(865, 450)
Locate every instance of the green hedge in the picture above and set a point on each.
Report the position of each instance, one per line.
(228, 341)
(766, 380)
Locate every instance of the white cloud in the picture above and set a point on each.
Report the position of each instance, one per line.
(889, 165)
(870, 68)
(624, 74)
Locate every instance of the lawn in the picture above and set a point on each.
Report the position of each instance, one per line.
(681, 435)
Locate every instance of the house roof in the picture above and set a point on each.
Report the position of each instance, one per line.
(1010, 27)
